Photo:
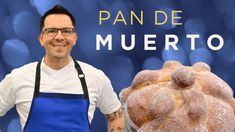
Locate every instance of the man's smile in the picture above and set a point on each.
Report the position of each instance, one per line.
(58, 45)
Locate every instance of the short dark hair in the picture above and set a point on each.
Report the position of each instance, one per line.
(57, 9)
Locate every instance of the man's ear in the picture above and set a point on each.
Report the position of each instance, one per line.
(75, 38)
(40, 39)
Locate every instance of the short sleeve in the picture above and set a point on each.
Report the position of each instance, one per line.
(108, 101)
(7, 97)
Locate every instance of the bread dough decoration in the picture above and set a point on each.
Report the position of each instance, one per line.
(179, 98)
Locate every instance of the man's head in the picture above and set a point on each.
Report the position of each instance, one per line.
(57, 32)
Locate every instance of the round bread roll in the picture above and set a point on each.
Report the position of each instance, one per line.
(179, 98)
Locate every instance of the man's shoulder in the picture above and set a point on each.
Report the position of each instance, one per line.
(85, 66)
(88, 68)
(27, 68)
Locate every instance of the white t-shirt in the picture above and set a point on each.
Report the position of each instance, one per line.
(18, 87)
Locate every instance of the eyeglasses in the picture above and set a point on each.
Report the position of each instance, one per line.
(54, 31)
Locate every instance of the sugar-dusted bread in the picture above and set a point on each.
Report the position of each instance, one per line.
(179, 98)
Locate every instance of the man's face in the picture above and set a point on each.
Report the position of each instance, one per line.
(58, 44)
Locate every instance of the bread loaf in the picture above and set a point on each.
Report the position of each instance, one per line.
(179, 98)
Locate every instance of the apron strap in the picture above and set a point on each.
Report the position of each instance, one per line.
(81, 76)
(37, 79)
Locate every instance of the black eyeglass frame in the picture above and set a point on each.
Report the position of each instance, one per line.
(62, 30)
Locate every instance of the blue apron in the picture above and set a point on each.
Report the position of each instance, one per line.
(58, 112)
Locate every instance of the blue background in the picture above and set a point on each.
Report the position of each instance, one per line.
(19, 28)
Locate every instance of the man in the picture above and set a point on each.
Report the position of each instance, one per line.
(59, 93)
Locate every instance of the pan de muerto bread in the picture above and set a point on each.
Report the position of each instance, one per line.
(179, 98)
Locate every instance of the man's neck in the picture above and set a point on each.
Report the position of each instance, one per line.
(56, 63)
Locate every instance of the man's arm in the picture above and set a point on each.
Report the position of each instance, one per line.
(7, 96)
(116, 121)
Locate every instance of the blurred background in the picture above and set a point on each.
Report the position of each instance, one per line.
(19, 28)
